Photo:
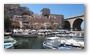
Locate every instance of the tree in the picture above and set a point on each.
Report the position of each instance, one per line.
(24, 13)
(7, 22)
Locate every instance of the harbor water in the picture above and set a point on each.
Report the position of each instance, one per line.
(29, 43)
(35, 43)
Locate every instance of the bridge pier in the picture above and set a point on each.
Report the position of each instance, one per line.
(71, 29)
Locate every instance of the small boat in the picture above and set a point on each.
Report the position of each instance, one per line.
(9, 42)
(73, 42)
(41, 33)
(51, 42)
(8, 45)
(24, 34)
(65, 34)
(68, 48)
(59, 43)
(8, 33)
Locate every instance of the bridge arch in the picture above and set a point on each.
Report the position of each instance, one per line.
(77, 24)
(67, 25)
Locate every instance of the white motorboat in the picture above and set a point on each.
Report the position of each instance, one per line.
(51, 42)
(7, 33)
(24, 34)
(74, 43)
(64, 34)
(41, 33)
(55, 32)
(9, 42)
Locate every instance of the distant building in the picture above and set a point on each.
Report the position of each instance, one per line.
(45, 12)
(45, 20)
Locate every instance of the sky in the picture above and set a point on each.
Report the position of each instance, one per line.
(67, 10)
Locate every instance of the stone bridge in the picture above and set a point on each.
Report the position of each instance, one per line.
(74, 23)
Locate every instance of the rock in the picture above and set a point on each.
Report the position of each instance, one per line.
(15, 9)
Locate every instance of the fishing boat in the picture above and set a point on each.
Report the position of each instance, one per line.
(9, 42)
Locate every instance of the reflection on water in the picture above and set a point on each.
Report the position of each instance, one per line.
(29, 43)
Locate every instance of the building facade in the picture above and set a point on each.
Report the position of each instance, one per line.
(43, 21)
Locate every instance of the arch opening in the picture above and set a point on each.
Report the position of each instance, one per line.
(77, 24)
(82, 25)
(67, 25)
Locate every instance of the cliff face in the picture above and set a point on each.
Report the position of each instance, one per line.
(15, 9)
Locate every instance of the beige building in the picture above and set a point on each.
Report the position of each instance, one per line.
(45, 20)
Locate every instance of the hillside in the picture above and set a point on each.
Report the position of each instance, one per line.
(15, 9)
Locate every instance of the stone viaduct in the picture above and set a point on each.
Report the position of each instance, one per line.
(74, 23)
